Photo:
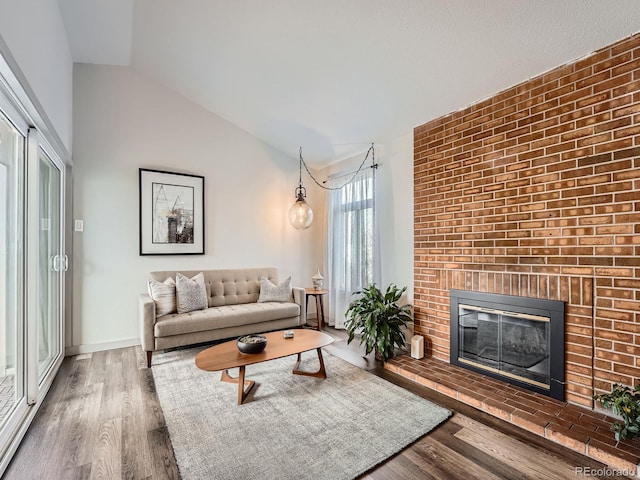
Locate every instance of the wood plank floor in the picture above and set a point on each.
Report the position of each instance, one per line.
(102, 420)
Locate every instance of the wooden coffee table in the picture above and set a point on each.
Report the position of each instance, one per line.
(226, 355)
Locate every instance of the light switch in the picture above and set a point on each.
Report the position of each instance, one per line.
(79, 226)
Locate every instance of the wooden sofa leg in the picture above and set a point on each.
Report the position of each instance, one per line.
(149, 353)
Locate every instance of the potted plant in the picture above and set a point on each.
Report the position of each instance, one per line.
(378, 319)
(624, 401)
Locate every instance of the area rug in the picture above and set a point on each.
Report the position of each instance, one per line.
(290, 426)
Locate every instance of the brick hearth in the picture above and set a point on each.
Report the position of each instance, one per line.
(583, 430)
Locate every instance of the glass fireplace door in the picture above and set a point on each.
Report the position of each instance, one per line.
(513, 344)
(519, 340)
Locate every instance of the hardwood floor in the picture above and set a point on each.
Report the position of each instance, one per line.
(102, 419)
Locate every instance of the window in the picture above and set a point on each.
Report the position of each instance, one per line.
(352, 244)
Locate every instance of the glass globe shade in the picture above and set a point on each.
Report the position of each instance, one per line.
(300, 215)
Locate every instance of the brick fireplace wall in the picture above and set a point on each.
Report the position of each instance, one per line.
(536, 192)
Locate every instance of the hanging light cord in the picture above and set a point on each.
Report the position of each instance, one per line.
(300, 168)
(374, 165)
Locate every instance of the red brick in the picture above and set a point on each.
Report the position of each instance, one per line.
(529, 422)
(612, 456)
(564, 436)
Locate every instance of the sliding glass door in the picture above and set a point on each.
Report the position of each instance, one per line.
(32, 257)
(32, 266)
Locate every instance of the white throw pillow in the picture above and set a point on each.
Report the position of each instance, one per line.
(164, 295)
(269, 292)
(191, 293)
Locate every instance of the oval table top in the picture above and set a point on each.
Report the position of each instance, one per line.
(226, 355)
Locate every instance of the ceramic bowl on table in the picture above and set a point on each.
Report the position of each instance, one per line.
(252, 343)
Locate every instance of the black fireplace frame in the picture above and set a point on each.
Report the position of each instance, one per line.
(553, 309)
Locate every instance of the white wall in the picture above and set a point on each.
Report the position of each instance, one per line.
(123, 122)
(34, 33)
(395, 210)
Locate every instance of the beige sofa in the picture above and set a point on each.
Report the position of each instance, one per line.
(233, 311)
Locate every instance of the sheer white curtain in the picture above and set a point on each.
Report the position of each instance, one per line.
(353, 259)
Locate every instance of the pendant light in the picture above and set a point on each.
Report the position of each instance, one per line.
(300, 213)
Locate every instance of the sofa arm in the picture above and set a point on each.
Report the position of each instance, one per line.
(300, 297)
(147, 314)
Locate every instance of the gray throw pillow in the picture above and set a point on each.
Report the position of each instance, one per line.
(269, 292)
(191, 293)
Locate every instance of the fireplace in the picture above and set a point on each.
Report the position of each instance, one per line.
(517, 339)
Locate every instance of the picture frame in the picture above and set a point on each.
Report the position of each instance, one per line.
(171, 207)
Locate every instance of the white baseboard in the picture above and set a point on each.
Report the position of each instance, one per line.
(100, 347)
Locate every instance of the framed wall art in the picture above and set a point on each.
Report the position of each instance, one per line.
(171, 213)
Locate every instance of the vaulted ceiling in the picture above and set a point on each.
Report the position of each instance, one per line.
(333, 76)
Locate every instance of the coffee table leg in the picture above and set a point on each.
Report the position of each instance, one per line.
(321, 373)
(243, 385)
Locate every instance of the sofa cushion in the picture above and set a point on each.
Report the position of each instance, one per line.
(164, 296)
(191, 293)
(269, 292)
(222, 317)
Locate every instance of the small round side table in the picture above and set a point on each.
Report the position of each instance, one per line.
(317, 294)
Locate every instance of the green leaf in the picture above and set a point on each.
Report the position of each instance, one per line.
(624, 401)
(378, 319)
